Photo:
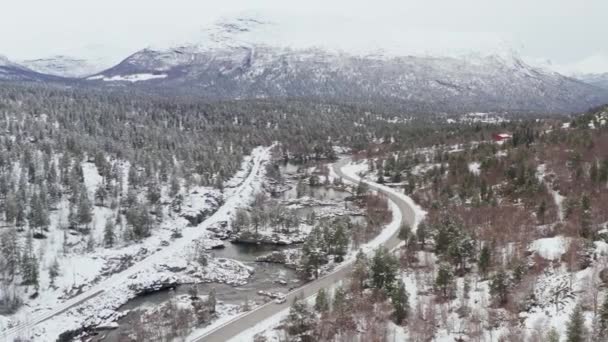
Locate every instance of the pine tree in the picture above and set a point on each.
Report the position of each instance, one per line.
(34, 273)
(321, 301)
(313, 253)
(38, 216)
(91, 243)
(603, 319)
(300, 321)
(540, 212)
(552, 335)
(10, 253)
(576, 331)
(460, 250)
(101, 194)
(360, 271)
(139, 219)
(362, 188)
(499, 286)
(339, 304)
(384, 270)
(404, 232)
(585, 218)
(444, 279)
(53, 272)
(108, 234)
(153, 193)
(84, 213)
(484, 259)
(340, 243)
(211, 300)
(10, 208)
(174, 187)
(29, 264)
(421, 234)
(400, 300)
(594, 173)
(20, 218)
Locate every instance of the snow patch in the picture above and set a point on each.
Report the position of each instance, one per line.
(128, 78)
(550, 248)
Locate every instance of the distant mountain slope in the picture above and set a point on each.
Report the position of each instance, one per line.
(63, 66)
(435, 83)
(256, 57)
(598, 80)
(10, 71)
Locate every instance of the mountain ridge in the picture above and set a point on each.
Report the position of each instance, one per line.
(483, 83)
(251, 58)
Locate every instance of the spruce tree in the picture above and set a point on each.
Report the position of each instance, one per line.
(603, 319)
(339, 304)
(53, 272)
(360, 271)
(444, 279)
(108, 234)
(10, 253)
(499, 286)
(174, 187)
(576, 331)
(585, 218)
(340, 243)
(300, 321)
(421, 234)
(400, 300)
(484, 259)
(552, 335)
(84, 213)
(211, 300)
(384, 270)
(321, 301)
(404, 232)
(10, 208)
(101, 194)
(362, 188)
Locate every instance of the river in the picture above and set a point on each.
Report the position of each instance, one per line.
(266, 275)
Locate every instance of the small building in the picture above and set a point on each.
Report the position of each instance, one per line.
(501, 137)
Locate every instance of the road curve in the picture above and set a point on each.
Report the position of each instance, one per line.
(248, 320)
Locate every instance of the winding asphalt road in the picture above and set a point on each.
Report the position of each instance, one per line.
(248, 320)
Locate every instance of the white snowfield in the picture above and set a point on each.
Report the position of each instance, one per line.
(243, 327)
(129, 78)
(103, 298)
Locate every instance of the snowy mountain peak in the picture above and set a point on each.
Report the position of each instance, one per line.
(64, 66)
(387, 38)
(5, 62)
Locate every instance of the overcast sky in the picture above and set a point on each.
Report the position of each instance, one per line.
(563, 31)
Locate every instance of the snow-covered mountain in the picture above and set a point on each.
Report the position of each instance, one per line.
(598, 80)
(11, 71)
(252, 58)
(64, 66)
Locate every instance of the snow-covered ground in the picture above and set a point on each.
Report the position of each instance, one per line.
(85, 295)
(550, 248)
(541, 172)
(128, 78)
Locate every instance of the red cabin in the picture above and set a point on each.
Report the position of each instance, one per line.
(500, 137)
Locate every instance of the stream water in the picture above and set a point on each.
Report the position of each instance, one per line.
(265, 277)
